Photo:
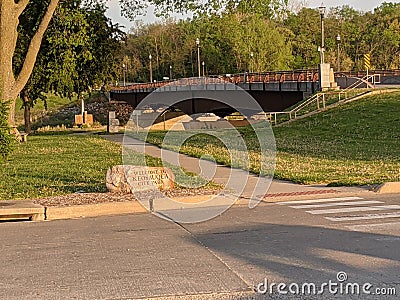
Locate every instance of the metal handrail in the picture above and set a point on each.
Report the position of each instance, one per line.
(360, 81)
(316, 98)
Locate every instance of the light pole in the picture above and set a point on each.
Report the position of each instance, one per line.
(338, 38)
(198, 55)
(170, 72)
(123, 72)
(322, 11)
(203, 64)
(252, 62)
(151, 69)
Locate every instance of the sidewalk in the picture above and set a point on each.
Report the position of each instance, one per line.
(224, 174)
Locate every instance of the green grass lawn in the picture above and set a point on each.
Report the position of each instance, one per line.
(354, 144)
(58, 164)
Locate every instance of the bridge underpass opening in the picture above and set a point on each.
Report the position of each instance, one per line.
(269, 101)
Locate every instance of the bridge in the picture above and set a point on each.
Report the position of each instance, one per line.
(273, 91)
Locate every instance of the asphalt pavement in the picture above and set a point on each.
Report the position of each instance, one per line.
(143, 256)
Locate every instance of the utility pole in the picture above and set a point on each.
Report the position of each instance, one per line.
(198, 56)
(322, 11)
(338, 38)
(151, 69)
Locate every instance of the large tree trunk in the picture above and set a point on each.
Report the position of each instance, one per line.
(11, 86)
(27, 111)
(8, 40)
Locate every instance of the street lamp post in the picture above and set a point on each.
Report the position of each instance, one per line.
(322, 11)
(123, 72)
(198, 56)
(203, 64)
(252, 62)
(338, 38)
(151, 68)
(170, 72)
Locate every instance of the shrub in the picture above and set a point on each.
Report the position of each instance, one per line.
(6, 139)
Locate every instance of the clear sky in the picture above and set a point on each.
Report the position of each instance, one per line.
(364, 5)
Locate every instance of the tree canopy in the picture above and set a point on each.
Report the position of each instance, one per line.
(79, 51)
(243, 39)
(11, 84)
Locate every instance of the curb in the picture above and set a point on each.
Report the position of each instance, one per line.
(107, 209)
(93, 210)
(389, 188)
(134, 207)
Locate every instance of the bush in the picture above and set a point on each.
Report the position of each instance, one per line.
(6, 139)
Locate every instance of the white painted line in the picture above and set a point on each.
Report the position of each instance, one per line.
(352, 209)
(337, 204)
(365, 217)
(319, 200)
(392, 225)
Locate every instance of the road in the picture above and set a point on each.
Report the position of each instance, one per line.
(142, 256)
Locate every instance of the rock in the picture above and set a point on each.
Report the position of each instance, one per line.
(131, 179)
(116, 180)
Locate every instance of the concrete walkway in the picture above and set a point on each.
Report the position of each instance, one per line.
(232, 177)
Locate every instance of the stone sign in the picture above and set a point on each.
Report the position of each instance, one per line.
(113, 122)
(130, 179)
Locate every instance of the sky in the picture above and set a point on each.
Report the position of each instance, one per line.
(365, 5)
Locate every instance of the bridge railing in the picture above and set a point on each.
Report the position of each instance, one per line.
(370, 72)
(310, 75)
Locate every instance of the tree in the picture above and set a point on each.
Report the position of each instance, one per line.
(10, 11)
(383, 36)
(6, 139)
(265, 38)
(11, 85)
(305, 26)
(79, 51)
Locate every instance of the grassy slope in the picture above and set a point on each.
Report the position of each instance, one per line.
(53, 104)
(358, 143)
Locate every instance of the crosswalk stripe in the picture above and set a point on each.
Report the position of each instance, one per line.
(352, 209)
(368, 227)
(320, 200)
(336, 204)
(364, 217)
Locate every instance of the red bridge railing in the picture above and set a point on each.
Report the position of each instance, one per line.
(264, 77)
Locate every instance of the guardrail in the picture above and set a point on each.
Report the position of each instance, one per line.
(310, 75)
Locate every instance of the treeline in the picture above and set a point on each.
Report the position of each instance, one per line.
(252, 39)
